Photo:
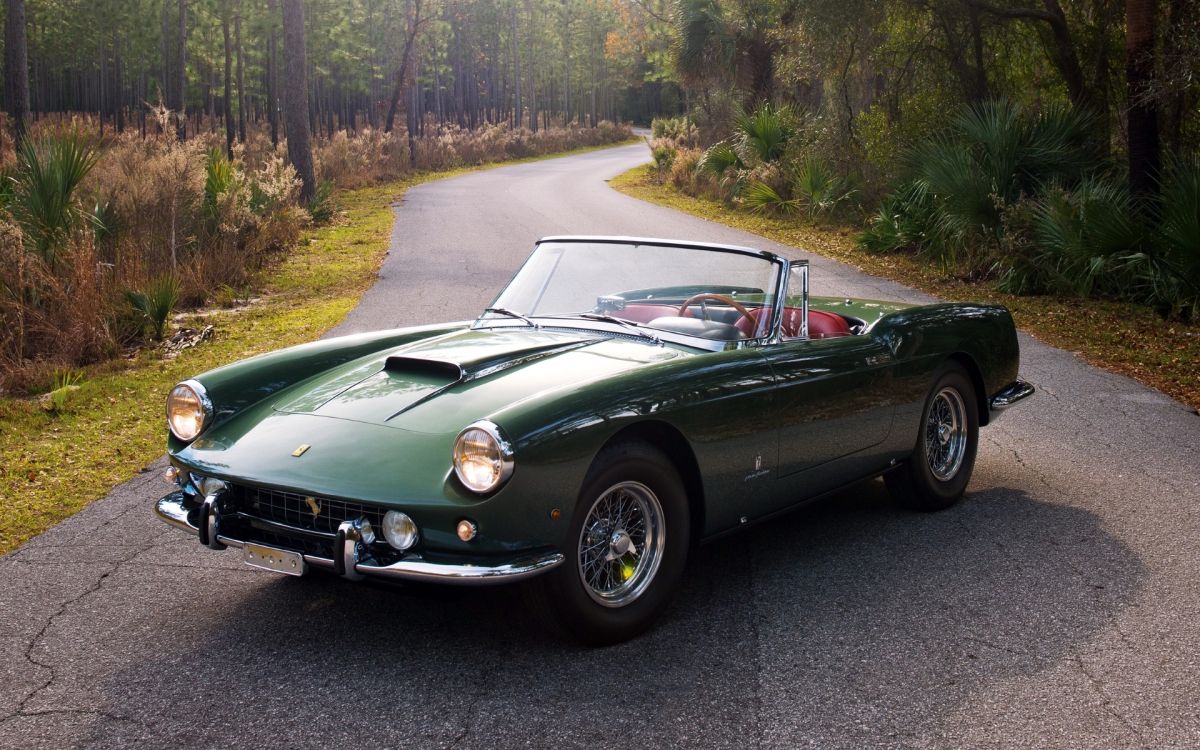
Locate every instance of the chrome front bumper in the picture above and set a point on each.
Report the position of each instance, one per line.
(1012, 394)
(352, 563)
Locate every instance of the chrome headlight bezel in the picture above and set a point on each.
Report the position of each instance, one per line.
(206, 409)
(501, 456)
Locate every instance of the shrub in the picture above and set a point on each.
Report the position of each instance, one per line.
(763, 133)
(678, 130)
(320, 205)
(819, 190)
(901, 220)
(156, 302)
(62, 385)
(1176, 280)
(992, 156)
(43, 199)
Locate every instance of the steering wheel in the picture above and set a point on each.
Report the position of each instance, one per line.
(719, 298)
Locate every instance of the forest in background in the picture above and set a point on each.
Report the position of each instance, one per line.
(159, 155)
(159, 152)
(221, 62)
(1043, 146)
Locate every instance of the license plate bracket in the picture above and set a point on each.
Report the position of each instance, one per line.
(274, 559)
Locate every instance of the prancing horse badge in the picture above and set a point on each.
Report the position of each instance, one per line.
(313, 505)
(300, 451)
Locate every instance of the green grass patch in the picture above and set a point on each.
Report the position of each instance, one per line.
(58, 456)
(1124, 338)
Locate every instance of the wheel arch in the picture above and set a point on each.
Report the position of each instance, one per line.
(671, 441)
(976, 375)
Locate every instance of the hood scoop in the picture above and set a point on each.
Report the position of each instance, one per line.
(470, 355)
(419, 372)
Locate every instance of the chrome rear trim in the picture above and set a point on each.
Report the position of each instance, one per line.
(1010, 395)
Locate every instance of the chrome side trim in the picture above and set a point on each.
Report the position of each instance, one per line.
(1012, 394)
(416, 569)
(170, 510)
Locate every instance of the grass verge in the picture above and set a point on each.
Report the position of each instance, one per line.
(1128, 339)
(53, 464)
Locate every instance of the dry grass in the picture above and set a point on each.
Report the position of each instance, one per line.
(1128, 339)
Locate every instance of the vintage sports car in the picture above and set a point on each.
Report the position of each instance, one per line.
(620, 401)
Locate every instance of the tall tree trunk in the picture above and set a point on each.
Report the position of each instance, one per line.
(16, 68)
(272, 66)
(413, 14)
(1144, 159)
(296, 96)
(119, 97)
(241, 86)
(180, 90)
(228, 104)
(518, 110)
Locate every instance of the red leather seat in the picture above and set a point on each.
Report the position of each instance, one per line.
(821, 324)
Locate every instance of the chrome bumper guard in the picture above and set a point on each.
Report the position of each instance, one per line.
(1011, 394)
(351, 563)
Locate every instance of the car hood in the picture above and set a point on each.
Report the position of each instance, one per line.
(442, 384)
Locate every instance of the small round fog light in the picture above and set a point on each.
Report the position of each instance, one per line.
(399, 530)
(467, 530)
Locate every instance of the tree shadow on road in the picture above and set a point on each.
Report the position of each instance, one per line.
(849, 621)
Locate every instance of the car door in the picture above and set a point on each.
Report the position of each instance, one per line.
(832, 398)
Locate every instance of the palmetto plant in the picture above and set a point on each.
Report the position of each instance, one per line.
(993, 155)
(1177, 281)
(219, 179)
(762, 134)
(1086, 239)
(42, 197)
(816, 190)
(156, 302)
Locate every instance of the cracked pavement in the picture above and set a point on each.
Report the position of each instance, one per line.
(1058, 606)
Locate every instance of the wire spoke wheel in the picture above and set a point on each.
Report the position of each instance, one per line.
(621, 544)
(946, 434)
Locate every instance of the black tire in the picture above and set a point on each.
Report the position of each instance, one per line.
(930, 480)
(622, 473)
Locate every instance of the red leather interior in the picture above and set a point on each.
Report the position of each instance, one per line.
(821, 324)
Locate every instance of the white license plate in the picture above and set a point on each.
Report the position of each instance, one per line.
(278, 560)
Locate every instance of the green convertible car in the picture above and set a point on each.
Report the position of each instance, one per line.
(621, 401)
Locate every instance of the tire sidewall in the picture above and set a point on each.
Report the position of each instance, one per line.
(582, 616)
(951, 376)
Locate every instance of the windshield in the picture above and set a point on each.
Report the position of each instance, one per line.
(710, 293)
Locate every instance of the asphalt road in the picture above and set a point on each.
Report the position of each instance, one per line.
(1058, 606)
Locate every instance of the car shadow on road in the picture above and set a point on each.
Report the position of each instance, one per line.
(849, 620)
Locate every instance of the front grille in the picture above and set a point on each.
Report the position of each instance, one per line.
(308, 532)
(296, 510)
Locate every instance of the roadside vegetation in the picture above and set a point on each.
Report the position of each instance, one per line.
(1122, 337)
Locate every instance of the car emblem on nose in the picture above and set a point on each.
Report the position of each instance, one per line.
(313, 505)
(300, 451)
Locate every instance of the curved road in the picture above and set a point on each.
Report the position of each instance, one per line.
(1058, 606)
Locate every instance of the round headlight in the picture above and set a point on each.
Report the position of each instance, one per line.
(483, 459)
(399, 530)
(188, 410)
